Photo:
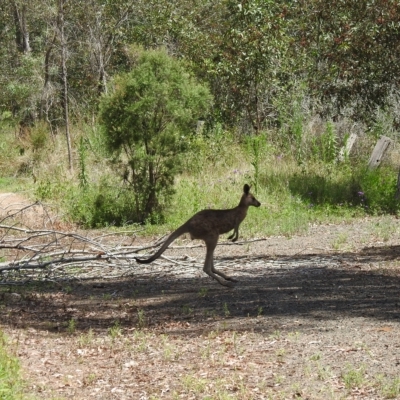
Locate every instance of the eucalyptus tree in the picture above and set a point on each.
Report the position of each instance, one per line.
(249, 60)
(102, 34)
(353, 49)
(237, 47)
(19, 60)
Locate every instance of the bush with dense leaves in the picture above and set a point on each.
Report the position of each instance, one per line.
(146, 120)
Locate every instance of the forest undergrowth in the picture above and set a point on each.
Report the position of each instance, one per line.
(298, 179)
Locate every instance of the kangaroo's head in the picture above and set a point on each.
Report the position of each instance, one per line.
(248, 199)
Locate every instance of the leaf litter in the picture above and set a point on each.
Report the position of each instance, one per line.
(308, 319)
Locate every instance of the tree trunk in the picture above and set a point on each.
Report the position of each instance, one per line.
(21, 29)
(152, 198)
(64, 78)
(44, 98)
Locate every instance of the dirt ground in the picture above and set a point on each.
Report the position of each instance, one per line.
(315, 316)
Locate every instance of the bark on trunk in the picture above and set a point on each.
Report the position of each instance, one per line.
(64, 78)
(21, 29)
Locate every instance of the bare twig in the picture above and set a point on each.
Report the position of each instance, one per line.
(28, 254)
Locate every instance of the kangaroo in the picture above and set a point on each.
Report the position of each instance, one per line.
(207, 225)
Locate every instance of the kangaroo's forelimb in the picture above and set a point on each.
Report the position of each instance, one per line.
(235, 235)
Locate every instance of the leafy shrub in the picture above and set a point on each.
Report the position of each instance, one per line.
(256, 148)
(329, 144)
(145, 119)
(103, 204)
(378, 191)
(39, 136)
(373, 191)
(323, 187)
(12, 384)
(51, 189)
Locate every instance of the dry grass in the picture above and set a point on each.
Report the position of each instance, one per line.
(217, 364)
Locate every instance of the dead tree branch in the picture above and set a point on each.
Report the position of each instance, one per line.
(48, 254)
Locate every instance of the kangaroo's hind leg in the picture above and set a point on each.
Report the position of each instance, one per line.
(228, 278)
(209, 269)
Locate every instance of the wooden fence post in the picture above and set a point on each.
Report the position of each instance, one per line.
(379, 151)
(199, 127)
(346, 149)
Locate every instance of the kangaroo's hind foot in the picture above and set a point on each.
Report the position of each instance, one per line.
(226, 277)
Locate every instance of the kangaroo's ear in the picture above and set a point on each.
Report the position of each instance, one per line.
(246, 188)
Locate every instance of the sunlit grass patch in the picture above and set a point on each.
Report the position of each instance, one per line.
(11, 384)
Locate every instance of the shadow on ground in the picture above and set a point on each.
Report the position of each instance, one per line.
(307, 287)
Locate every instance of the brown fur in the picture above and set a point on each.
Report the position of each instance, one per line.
(207, 225)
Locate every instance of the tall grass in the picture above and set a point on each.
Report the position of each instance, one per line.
(11, 384)
(292, 195)
(295, 186)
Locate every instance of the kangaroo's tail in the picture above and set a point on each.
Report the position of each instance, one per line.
(174, 235)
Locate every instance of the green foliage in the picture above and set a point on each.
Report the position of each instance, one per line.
(329, 144)
(11, 386)
(44, 190)
(353, 377)
(350, 50)
(141, 318)
(5, 182)
(239, 48)
(214, 171)
(51, 188)
(377, 191)
(71, 326)
(103, 204)
(20, 86)
(386, 120)
(292, 113)
(115, 331)
(250, 53)
(145, 119)
(390, 388)
(6, 117)
(321, 186)
(39, 136)
(256, 147)
(210, 148)
(82, 154)
(9, 152)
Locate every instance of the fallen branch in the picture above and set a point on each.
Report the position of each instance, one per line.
(47, 254)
